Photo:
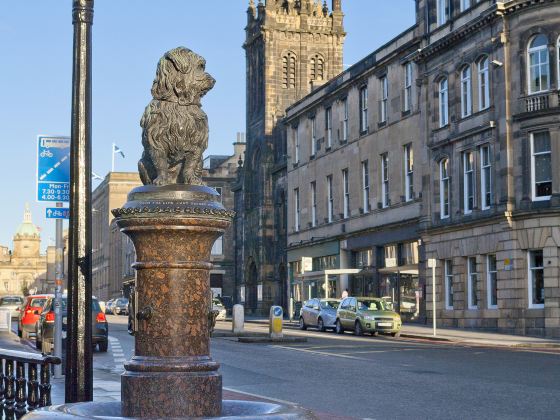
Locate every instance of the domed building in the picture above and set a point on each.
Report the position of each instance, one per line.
(25, 266)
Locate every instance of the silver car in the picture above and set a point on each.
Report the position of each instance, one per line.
(318, 313)
(12, 303)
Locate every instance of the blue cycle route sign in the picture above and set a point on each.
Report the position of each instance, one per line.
(53, 168)
(57, 213)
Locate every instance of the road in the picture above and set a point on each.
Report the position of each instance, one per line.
(382, 378)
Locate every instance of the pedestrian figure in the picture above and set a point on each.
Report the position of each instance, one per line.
(345, 293)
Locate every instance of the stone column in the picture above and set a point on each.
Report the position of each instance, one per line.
(173, 229)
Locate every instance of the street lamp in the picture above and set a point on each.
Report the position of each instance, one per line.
(79, 360)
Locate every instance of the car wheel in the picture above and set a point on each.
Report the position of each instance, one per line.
(396, 334)
(374, 333)
(358, 330)
(338, 327)
(103, 346)
(302, 325)
(320, 325)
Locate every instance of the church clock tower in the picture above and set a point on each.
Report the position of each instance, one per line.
(292, 46)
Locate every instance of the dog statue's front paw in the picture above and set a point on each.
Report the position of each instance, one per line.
(161, 180)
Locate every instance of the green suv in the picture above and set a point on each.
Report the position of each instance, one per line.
(365, 314)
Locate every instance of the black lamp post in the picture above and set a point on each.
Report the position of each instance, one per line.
(79, 361)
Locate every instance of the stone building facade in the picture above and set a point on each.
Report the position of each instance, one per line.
(220, 173)
(25, 267)
(292, 47)
(442, 144)
(110, 266)
(493, 221)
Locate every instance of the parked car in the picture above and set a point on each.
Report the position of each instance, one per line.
(366, 314)
(120, 307)
(13, 303)
(29, 314)
(318, 313)
(44, 331)
(218, 306)
(109, 306)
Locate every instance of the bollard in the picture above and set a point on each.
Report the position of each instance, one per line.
(5, 320)
(238, 319)
(275, 322)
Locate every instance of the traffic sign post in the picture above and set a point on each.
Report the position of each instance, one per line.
(57, 212)
(53, 169)
(53, 185)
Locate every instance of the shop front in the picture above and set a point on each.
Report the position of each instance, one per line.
(313, 272)
(390, 272)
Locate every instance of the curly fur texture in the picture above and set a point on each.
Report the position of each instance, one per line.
(174, 126)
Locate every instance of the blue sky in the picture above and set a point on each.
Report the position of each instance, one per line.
(129, 37)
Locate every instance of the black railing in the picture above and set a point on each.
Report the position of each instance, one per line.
(20, 394)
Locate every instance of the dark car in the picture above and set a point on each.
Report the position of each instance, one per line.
(45, 326)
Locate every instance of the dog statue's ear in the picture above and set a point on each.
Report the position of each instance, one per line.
(179, 89)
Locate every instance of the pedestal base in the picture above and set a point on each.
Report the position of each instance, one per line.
(113, 410)
(171, 394)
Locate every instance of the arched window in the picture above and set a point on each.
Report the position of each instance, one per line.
(466, 91)
(444, 210)
(289, 71)
(317, 68)
(483, 84)
(443, 103)
(538, 66)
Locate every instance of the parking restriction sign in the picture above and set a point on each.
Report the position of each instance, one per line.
(53, 168)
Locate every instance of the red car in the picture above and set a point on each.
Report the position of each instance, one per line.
(29, 314)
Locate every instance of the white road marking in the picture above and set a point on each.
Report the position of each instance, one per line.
(250, 394)
(117, 352)
(322, 353)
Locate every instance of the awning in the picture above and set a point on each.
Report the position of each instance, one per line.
(321, 274)
(403, 269)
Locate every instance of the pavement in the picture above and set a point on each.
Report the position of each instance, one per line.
(454, 335)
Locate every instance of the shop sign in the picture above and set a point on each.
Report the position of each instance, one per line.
(306, 264)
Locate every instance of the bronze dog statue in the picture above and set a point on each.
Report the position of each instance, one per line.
(174, 126)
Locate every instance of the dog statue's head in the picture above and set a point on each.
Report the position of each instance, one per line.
(181, 77)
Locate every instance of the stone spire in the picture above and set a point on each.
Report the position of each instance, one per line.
(336, 5)
(251, 11)
(27, 214)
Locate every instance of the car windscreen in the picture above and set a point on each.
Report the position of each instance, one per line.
(9, 301)
(94, 305)
(329, 304)
(371, 305)
(122, 302)
(37, 302)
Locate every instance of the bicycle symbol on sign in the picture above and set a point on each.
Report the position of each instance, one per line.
(46, 153)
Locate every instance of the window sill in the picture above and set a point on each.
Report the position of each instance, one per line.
(312, 157)
(541, 306)
(406, 113)
(381, 124)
